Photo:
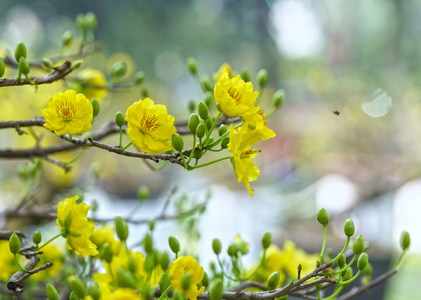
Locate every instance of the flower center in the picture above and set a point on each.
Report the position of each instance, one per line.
(261, 113)
(149, 123)
(236, 96)
(66, 110)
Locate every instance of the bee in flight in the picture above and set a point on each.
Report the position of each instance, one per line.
(336, 112)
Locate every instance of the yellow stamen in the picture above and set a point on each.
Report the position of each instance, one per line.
(149, 123)
(66, 110)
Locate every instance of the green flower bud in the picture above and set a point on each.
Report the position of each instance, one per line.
(323, 217)
(121, 228)
(278, 98)
(37, 237)
(91, 22)
(164, 282)
(405, 240)
(174, 244)
(342, 261)
(266, 240)
(164, 260)
(216, 246)
(192, 65)
(198, 154)
(193, 122)
(362, 261)
(209, 121)
(203, 110)
(186, 281)
(94, 291)
(95, 106)
(225, 142)
(73, 296)
(149, 262)
(178, 296)
(68, 221)
(125, 279)
(368, 269)
(148, 243)
(143, 193)
(245, 75)
(177, 142)
(222, 129)
(20, 51)
(205, 280)
(262, 78)
(119, 69)
(349, 228)
(80, 21)
(108, 253)
(119, 119)
(2, 67)
(348, 275)
(358, 246)
(273, 281)
(209, 99)
(77, 286)
(24, 67)
(67, 38)
(151, 224)
(192, 106)
(207, 83)
(200, 130)
(139, 77)
(216, 290)
(51, 292)
(232, 250)
(77, 64)
(144, 92)
(47, 63)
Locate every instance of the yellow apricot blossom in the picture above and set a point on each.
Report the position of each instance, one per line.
(103, 235)
(69, 113)
(92, 83)
(234, 96)
(72, 219)
(181, 266)
(150, 127)
(225, 66)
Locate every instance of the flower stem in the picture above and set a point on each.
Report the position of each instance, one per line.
(351, 280)
(346, 267)
(49, 241)
(400, 261)
(335, 293)
(77, 157)
(125, 147)
(112, 276)
(222, 270)
(320, 261)
(210, 163)
(193, 149)
(343, 250)
(212, 128)
(18, 264)
(262, 260)
(121, 136)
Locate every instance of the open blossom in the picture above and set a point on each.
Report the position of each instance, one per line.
(234, 96)
(72, 218)
(68, 112)
(150, 127)
(181, 266)
(92, 80)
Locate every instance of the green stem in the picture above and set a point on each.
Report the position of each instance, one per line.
(32, 133)
(125, 147)
(346, 267)
(318, 293)
(400, 261)
(199, 83)
(186, 165)
(262, 260)
(70, 138)
(49, 241)
(209, 163)
(240, 267)
(224, 136)
(212, 128)
(164, 293)
(77, 156)
(193, 149)
(112, 276)
(336, 293)
(121, 136)
(350, 280)
(18, 264)
(92, 121)
(343, 250)
(320, 261)
(223, 271)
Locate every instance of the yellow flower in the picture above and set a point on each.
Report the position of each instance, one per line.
(91, 80)
(150, 127)
(7, 262)
(225, 66)
(179, 268)
(103, 235)
(68, 112)
(80, 229)
(235, 97)
(293, 256)
(255, 129)
(272, 263)
(123, 294)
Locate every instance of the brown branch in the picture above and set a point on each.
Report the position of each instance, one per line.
(249, 284)
(58, 73)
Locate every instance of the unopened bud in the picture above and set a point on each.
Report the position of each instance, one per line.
(143, 193)
(203, 110)
(139, 77)
(151, 224)
(149, 262)
(148, 243)
(348, 275)
(205, 280)
(273, 281)
(193, 122)
(216, 290)
(207, 83)
(245, 75)
(368, 269)
(225, 142)
(164, 260)
(94, 291)
(362, 261)
(349, 228)
(119, 69)
(174, 244)
(192, 106)
(91, 22)
(200, 130)
(14, 243)
(77, 286)
(47, 63)
(119, 119)
(358, 246)
(192, 65)
(51, 292)
(37, 237)
(216, 246)
(266, 240)
(323, 217)
(68, 220)
(67, 38)
(20, 51)
(222, 129)
(121, 228)
(262, 78)
(186, 281)
(77, 64)
(405, 240)
(95, 106)
(209, 121)
(177, 142)
(108, 253)
(232, 250)
(278, 98)
(24, 67)
(80, 21)
(73, 296)
(164, 282)
(342, 261)
(144, 92)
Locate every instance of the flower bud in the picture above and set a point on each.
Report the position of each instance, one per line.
(203, 110)
(262, 78)
(143, 193)
(24, 67)
(273, 281)
(348, 275)
(164, 260)
(2, 67)
(232, 250)
(91, 22)
(323, 217)
(148, 243)
(121, 228)
(358, 246)
(51, 292)
(80, 21)
(119, 69)
(132, 265)
(209, 121)
(368, 269)
(20, 51)
(68, 221)
(95, 106)
(193, 122)
(205, 280)
(192, 106)
(151, 224)
(197, 154)
(77, 64)
(216, 290)
(225, 142)
(139, 77)
(222, 129)
(209, 99)
(149, 263)
(164, 282)
(144, 92)
(192, 65)
(73, 296)
(77, 286)
(266, 240)
(349, 228)
(278, 98)
(245, 75)
(174, 244)
(108, 253)
(67, 38)
(177, 142)
(200, 130)
(94, 291)
(342, 261)
(216, 246)
(362, 261)
(119, 119)
(125, 279)
(37, 237)
(47, 63)
(405, 240)
(207, 83)
(186, 281)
